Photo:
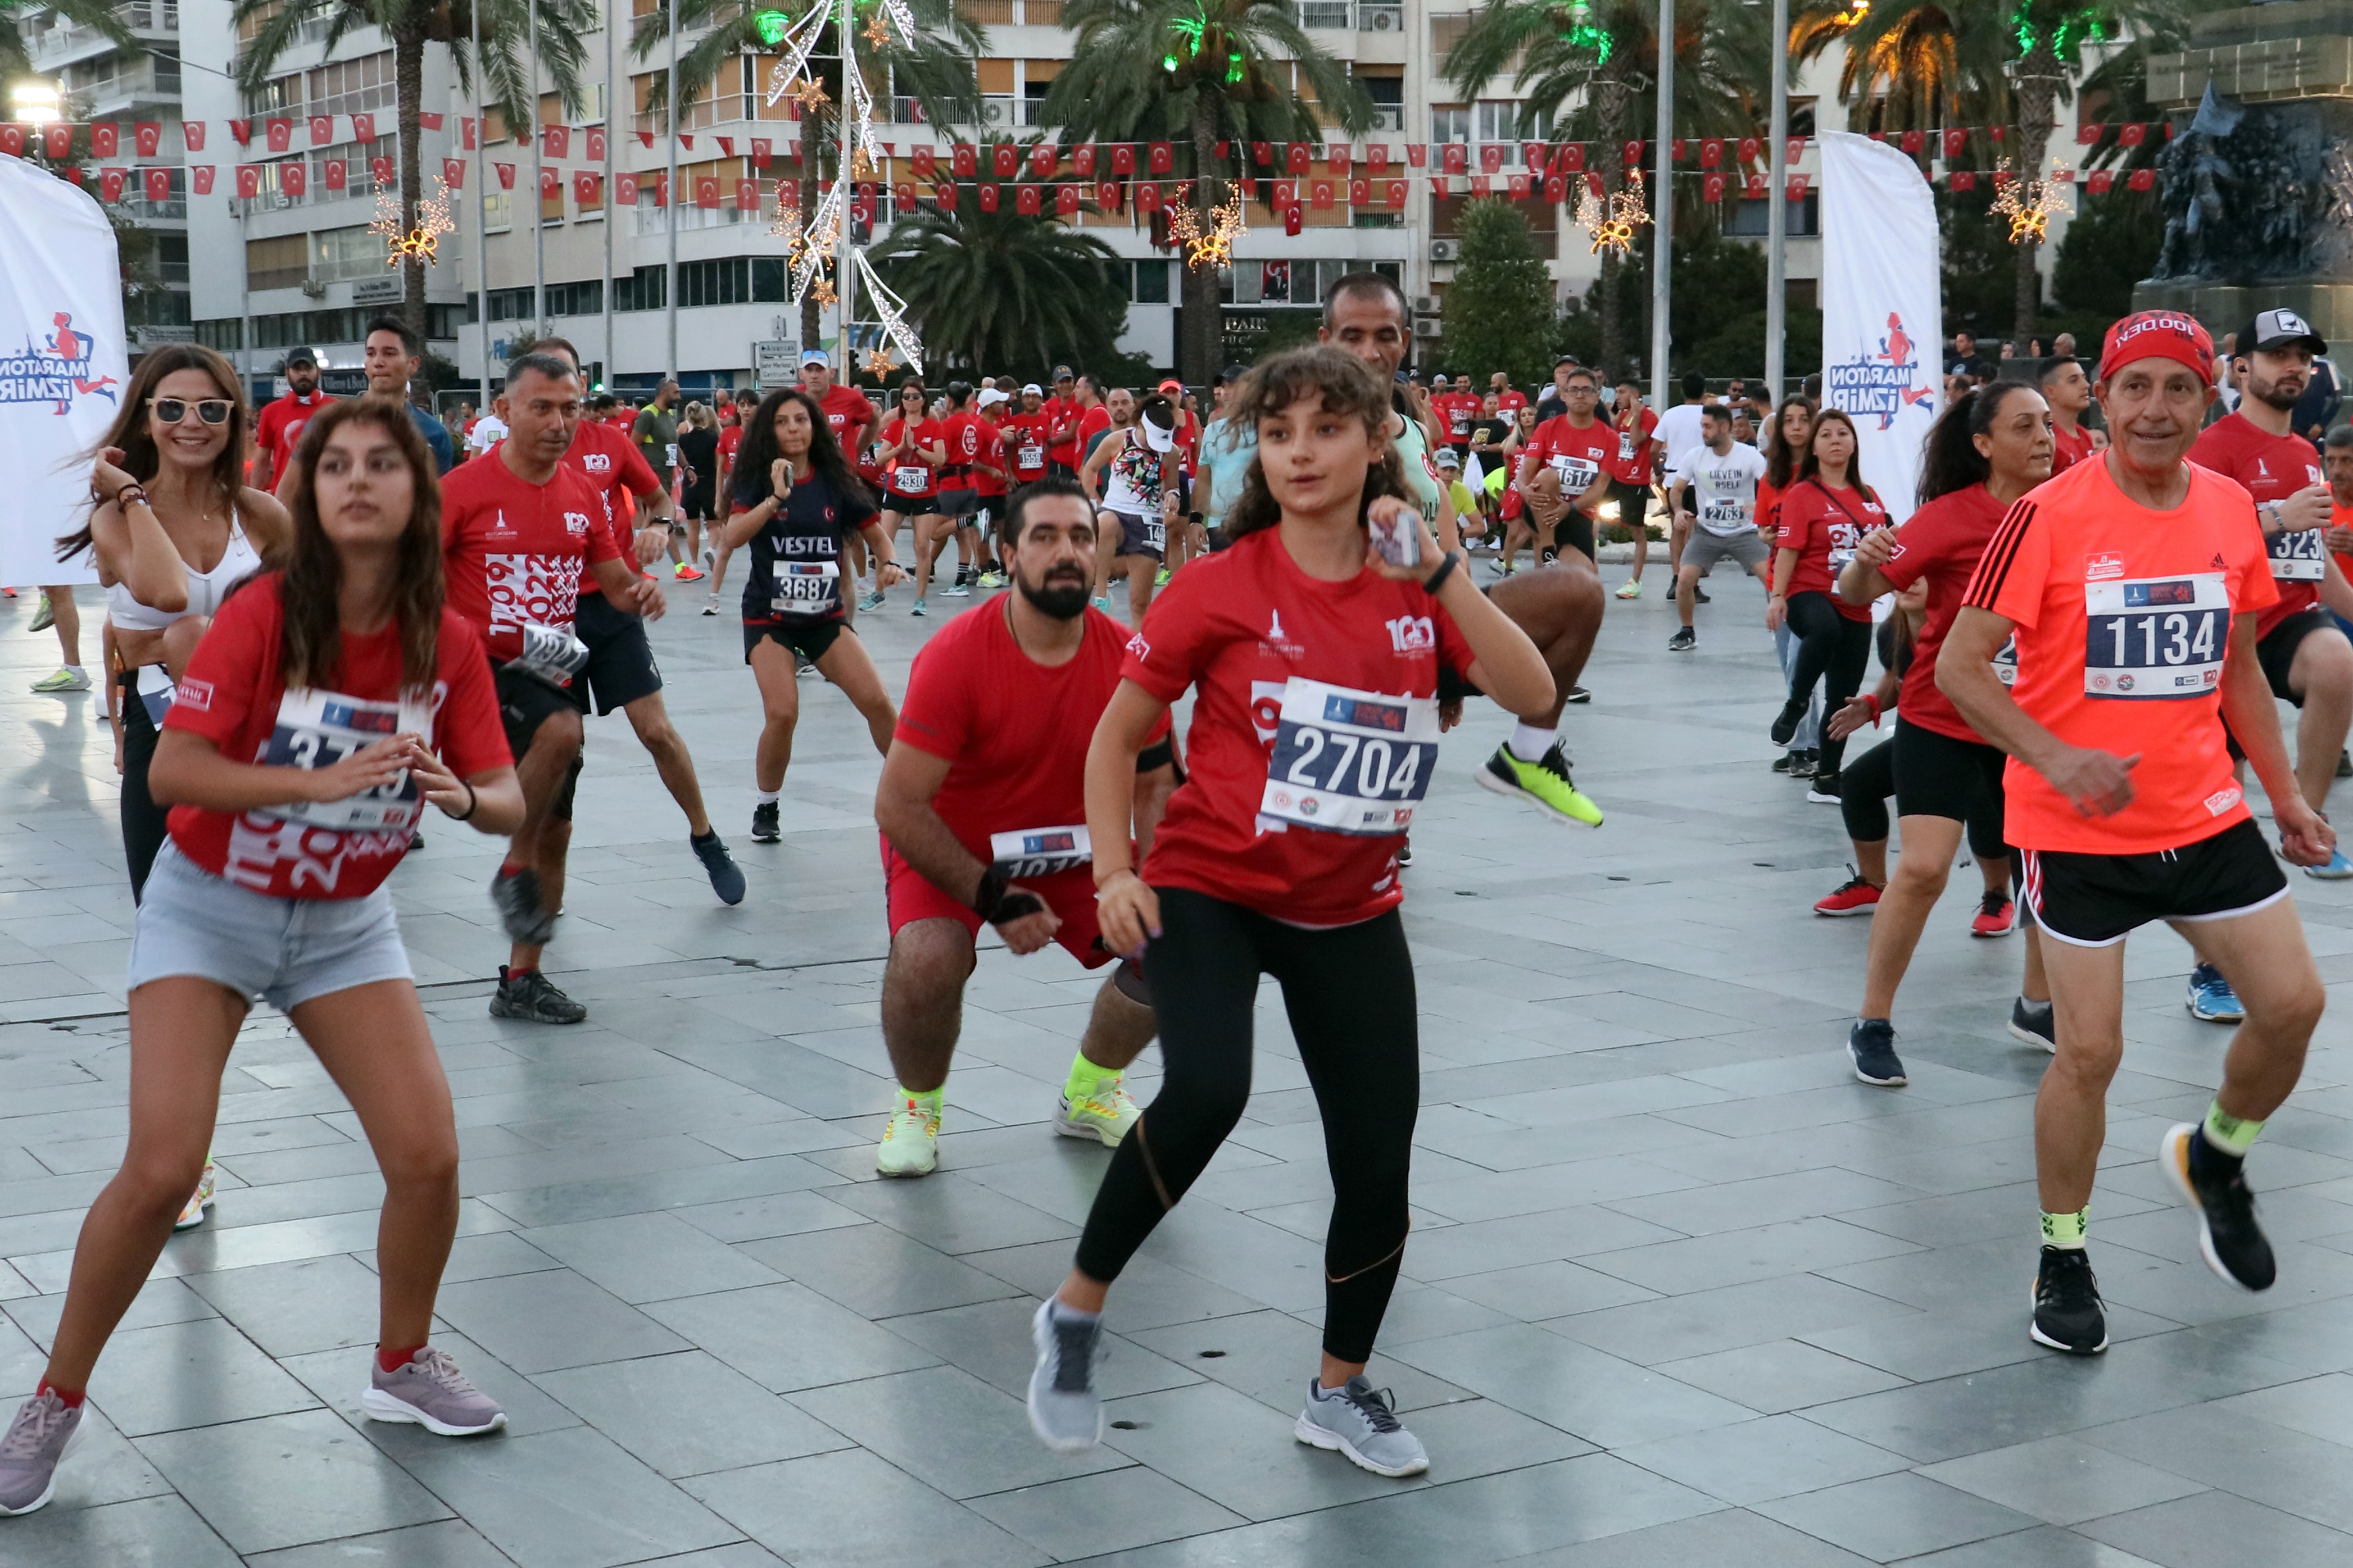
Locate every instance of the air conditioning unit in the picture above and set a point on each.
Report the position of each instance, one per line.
(1427, 304)
(1380, 19)
(1446, 250)
(314, 289)
(1428, 329)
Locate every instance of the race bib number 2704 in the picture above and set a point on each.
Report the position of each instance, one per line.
(1350, 761)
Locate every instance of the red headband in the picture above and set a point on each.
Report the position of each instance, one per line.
(2159, 334)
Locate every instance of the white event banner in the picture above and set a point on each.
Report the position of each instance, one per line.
(1882, 309)
(63, 366)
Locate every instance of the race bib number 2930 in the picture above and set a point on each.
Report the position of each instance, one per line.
(1350, 761)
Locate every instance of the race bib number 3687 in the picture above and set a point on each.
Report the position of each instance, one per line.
(1350, 761)
(2155, 636)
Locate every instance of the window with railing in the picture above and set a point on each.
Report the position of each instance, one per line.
(1450, 123)
(1379, 18)
(113, 77)
(643, 290)
(172, 254)
(1327, 12)
(136, 208)
(1500, 120)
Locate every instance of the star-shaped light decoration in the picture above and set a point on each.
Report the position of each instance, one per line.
(812, 95)
(422, 242)
(2029, 206)
(862, 164)
(879, 363)
(1613, 225)
(878, 29)
(822, 290)
(1209, 246)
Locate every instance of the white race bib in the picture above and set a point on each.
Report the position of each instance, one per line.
(550, 653)
(318, 730)
(910, 478)
(1350, 761)
(2155, 636)
(670, 454)
(1030, 458)
(2299, 555)
(155, 692)
(806, 588)
(1576, 474)
(1039, 851)
(1155, 532)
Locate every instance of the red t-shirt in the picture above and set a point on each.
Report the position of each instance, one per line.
(513, 553)
(1578, 457)
(1457, 409)
(848, 413)
(2271, 467)
(910, 473)
(1301, 687)
(280, 426)
(2123, 619)
(1823, 526)
(1060, 411)
(1632, 465)
(992, 452)
(609, 461)
(2341, 515)
(965, 438)
(232, 695)
(1942, 542)
(1026, 446)
(1511, 401)
(2069, 447)
(1014, 731)
(1769, 505)
(1188, 441)
(1089, 422)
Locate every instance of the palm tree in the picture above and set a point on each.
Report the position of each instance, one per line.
(410, 25)
(17, 55)
(935, 69)
(1003, 290)
(1199, 72)
(1592, 67)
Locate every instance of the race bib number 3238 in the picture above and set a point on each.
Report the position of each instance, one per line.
(1350, 761)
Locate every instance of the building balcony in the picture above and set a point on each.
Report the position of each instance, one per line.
(59, 47)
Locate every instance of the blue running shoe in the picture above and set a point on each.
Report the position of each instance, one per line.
(1872, 1044)
(2337, 868)
(2211, 998)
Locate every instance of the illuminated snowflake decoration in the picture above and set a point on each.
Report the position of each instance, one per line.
(421, 243)
(2029, 205)
(1614, 223)
(1212, 246)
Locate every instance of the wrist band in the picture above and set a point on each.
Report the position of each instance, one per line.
(133, 491)
(1437, 579)
(473, 802)
(992, 888)
(1874, 700)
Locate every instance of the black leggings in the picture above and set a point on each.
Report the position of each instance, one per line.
(145, 825)
(1867, 781)
(1349, 995)
(1828, 644)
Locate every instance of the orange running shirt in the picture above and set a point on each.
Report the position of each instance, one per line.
(2123, 616)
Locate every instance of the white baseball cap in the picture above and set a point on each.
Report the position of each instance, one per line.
(990, 397)
(816, 356)
(1033, 390)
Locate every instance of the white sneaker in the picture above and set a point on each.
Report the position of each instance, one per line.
(911, 1144)
(1104, 1116)
(199, 1202)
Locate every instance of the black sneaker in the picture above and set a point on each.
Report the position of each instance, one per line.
(1803, 763)
(2034, 1024)
(2228, 1237)
(1684, 641)
(1699, 596)
(1781, 763)
(1577, 694)
(1824, 790)
(1405, 853)
(2345, 765)
(1872, 1044)
(517, 895)
(763, 823)
(417, 841)
(2068, 1312)
(1785, 722)
(528, 994)
(726, 877)
(1549, 554)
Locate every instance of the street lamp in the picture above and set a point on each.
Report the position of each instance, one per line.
(35, 102)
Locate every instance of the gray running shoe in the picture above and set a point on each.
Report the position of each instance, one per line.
(530, 996)
(45, 1431)
(726, 877)
(430, 1391)
(1063, 1408)
(517, 898)
(1358, 1421)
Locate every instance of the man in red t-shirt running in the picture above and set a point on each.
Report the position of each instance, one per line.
(280, 424)
(1564, 473)
(2132, 585)
(2068, 391)
(983, 812)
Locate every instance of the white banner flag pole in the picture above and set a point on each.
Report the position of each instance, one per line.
(1882, 309)
(62, 365)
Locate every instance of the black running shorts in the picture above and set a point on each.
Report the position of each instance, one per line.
(620, 667)
(910, 506)
(810, 640)
(2095, 901)
(2276, 651)
(1938, 775)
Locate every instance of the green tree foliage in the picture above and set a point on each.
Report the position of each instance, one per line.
(2110, 245)
(1499, 309)
(1001, 291)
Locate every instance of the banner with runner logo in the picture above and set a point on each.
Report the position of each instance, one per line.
(62, 365)
(1882, 309)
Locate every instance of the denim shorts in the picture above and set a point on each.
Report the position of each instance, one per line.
(284, 951)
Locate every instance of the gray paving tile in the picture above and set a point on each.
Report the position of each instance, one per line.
(776, 1214)
(1751, 1462)
(540, 1321)
(2062, 1480)
(1894, 1516)
(1779, 1374)
(1735, 1535)
(450, 1544)
(152, 1532)
(991, 1340)
(1271, 1355)
(687, 1414)
(177, 1375)
(2044, 1548)
(649, 1257)
(875, 1271)
(786, 1337)
(1598, 1397)
(1676, 1327)
(2215, 1529)
(564, 1500)
(291, 1308)
(1092, 1515)
(851, 1509)
(953, 1213)
(949, 1430)
(288, 1480)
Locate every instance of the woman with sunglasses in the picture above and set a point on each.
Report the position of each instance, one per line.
(909, 455)
(331, 701)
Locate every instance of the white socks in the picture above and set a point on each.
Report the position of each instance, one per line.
(1529, 743)
(767, 797)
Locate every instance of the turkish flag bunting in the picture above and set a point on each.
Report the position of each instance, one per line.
(280, 134)
(1377, 157)
(945, 195)
(584, 187)
(989, 197)
(248, 180)
(1295, 157)
(1678, 156)
(1043, 158)
(2062, 175)
(506, 175)
(294, 178)
(333, 173)
(1360, 193)
(2133, 135)
(1756, 190)
(926, 162)
(1965, 179)
(2002, 177)
(763, 148)
(1294, 220)
(380, 168)
(660, 183)
(1519, 187)
(646, 137)
(364, 129)
(625, 188)
(58, 140)
(1913, 141)
(322, 130)
(1162, 157)
(1556, 190)
(1320, 195)
(1572, 159)
(192, 135)
(1995, 132)
(1005, 160)
(726, 145)
(109, 184)
(453, 173)
(686, 141)
(1751, 149)
(1223, 148)
(1490, 159)
(105, 140)
(747, 196)
(1262, 151)
(1286, 194)
(1957, 142)
(1437, 185)
(1879, 136)
(147, 136)
(593, 139)
(430, 121)
(902, 196)
(966, 160)
(1123, 159)
(556, 141)
(12, 141)
(159, 184)
(200, 179)
(1417, 154)
(1797, 148)
(1107, 195)
(1712, 188)
(2100, 183)
(1482, 185)
(1083, 160)
(1066, 200)
(551, 183)
(866, 191)
(1797, 187)
(2086, 135)
(706, 193)
(2141, 180)
(1337, 157)
(1456, 158)
(1026, 199)
(1396, 195)
(466, 133)
(243, 130)
(1633, 151)
(1711, 152)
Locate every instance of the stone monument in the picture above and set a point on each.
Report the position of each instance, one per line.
(2256, 183)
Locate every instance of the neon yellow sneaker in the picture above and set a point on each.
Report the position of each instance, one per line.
(1104, 1115)
(911, 1144)
(63, 680)
(199, 1202)
(1545, 783)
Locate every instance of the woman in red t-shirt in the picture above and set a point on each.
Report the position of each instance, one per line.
(325, 706)
(908, 458)
(1315, 668)
(1823, 517)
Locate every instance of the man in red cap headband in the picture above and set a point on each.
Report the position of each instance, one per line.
(2131, 585)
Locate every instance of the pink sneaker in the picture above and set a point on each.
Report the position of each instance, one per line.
(430, 1391)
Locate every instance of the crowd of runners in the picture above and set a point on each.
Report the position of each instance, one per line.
(2081, 634)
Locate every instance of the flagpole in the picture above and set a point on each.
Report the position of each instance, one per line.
(844, 270)
(538, 198)
(611, 216)
(481, 215)
(670, 209)
(1777, 207)
(1662, 209)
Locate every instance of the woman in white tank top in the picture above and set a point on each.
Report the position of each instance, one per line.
(174, 529)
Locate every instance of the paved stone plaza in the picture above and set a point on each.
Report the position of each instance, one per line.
(1681, 1291)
